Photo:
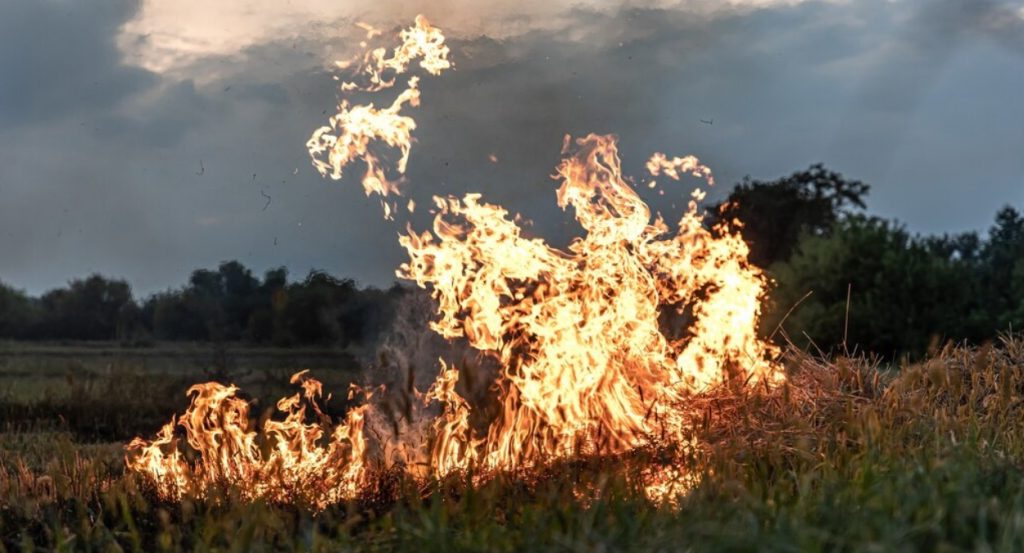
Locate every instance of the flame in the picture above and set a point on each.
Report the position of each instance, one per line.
(587, 368)
(587, 365)
(287, 461)
(351, 132)
(678, 166)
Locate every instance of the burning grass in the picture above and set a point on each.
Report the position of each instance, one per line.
(585, 366)
(845, 455)
(605, 430)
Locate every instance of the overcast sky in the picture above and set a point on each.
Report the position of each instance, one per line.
(143, 139)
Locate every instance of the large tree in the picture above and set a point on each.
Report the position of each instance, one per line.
(1003, 268)
(18, 313)
(93, 308)
(905, 292)
(775, 213)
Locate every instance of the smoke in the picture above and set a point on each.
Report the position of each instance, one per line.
(401, 366)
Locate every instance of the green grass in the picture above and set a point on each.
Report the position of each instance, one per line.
(843, 458)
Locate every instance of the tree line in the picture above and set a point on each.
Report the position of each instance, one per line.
(841, 279)
(228, 303)
(846, 279)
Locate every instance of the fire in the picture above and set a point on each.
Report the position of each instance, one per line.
(587, 368)
(351, 131)
(287, 461)
(587, 364)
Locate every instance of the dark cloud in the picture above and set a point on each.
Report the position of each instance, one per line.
(870, 88)
(59, 59)
(271, 93)
(896, 129)
(162, 122)
(921, 40)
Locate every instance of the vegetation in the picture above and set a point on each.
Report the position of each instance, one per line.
(775, 214)
(226, 304)
(873, 286)
(876, 287)
(845, 457)
(851, 281)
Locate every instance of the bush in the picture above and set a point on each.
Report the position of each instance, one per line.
(906, 293)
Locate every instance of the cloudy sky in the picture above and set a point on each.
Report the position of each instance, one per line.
(143, 139)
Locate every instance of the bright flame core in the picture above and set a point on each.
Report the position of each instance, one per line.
(586, 366)
(288, 461)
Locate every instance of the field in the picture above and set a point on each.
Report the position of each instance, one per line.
(848, 456)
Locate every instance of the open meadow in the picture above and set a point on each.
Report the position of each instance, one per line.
(844, 457)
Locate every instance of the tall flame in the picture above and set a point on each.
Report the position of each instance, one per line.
(351, 132)
(587, 366)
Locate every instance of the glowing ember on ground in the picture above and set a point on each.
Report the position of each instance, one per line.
(586, 366)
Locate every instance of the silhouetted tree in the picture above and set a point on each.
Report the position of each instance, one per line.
(906, 293)
(312, 309)
(240, 297)
(1002, 272)
(775, 213)
(18, 313)
(94, 308)
(173, 317)
(266, 321)
(368, 313)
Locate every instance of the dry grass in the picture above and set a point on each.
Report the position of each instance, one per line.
(846, 456)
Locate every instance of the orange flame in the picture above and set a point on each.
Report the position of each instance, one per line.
(677, 166)
(288, 461)
(587, 364)
(351, 132)
(587, 368)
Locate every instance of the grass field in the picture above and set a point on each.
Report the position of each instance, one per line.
(844, 457)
